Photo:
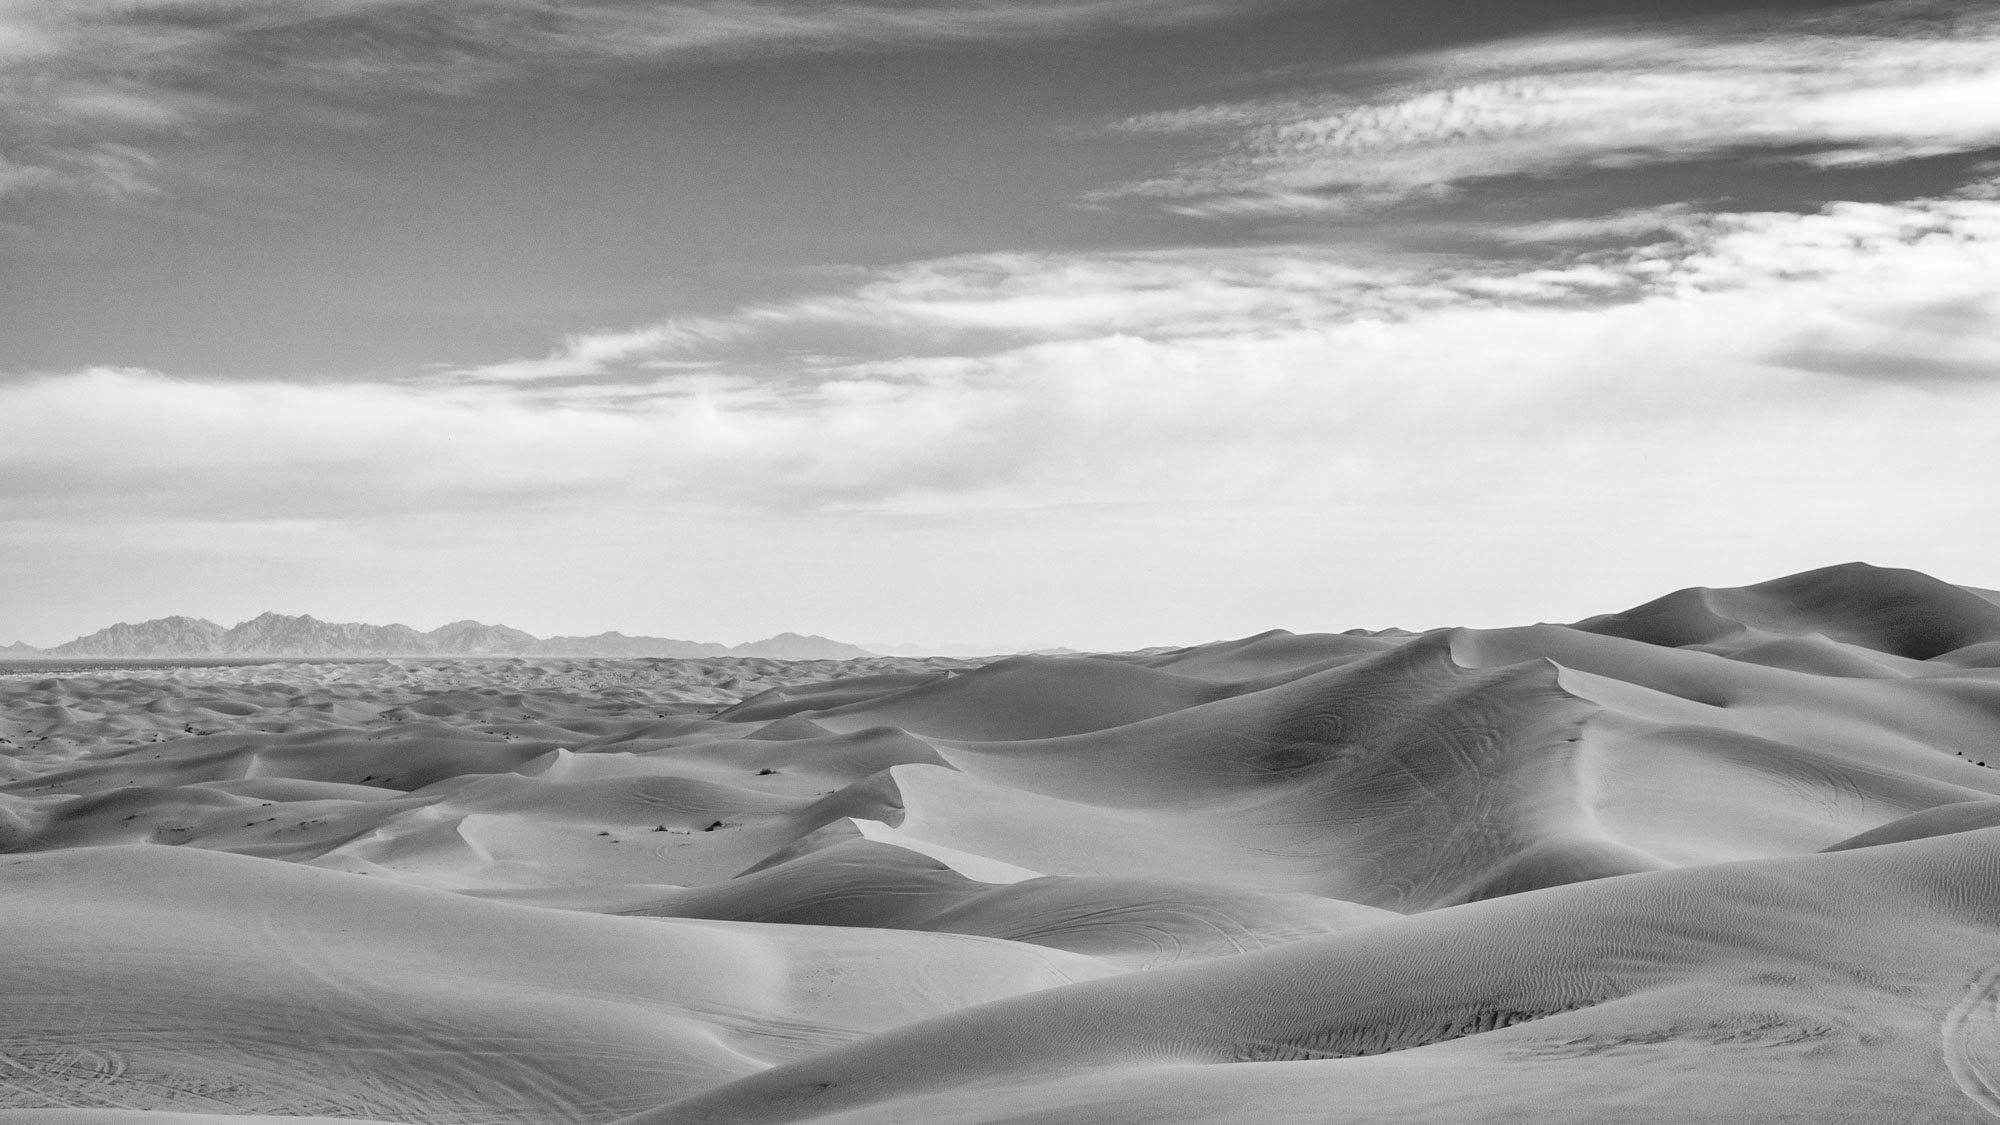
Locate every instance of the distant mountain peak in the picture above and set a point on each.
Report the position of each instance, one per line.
(302, 635)
(164, 636)
(794, 646)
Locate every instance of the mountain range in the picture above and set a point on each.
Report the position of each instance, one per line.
(276, 634)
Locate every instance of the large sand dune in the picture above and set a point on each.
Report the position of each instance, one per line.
(1732, 855)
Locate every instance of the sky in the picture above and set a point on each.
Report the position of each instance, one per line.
(1007, 323)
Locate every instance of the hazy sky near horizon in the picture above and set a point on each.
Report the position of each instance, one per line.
(1100, 323)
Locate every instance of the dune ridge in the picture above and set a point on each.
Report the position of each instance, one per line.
(1729, 855)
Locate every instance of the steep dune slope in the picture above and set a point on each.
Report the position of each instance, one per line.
(1026, 697)
(1401, 780)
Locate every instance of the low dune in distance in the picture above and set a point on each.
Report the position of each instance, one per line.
(1729, 856)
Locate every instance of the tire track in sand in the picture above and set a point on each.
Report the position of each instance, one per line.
(1971, 1034)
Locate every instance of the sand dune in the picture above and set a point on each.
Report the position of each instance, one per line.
(152, 977)
(1025, 697)
(1731, 855)
(1820, 980)
(1899, 612)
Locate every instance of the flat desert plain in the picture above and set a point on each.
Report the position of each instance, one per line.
(1729, 856)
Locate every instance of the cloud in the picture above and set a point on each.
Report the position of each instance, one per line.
(1212, 443)
(587, 354)
(1924, 255)
(1874, 85)
(1949, 341)
(1250, 378)
(1622, 226)
(85, 84)
(984, 304)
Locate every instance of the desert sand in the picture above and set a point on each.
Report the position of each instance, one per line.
(1729, 856)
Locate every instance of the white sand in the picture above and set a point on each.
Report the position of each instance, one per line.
(1727, 857)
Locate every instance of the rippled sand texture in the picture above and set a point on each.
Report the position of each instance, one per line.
(1731, 856)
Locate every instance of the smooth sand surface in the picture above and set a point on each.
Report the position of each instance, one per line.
(1729, 856)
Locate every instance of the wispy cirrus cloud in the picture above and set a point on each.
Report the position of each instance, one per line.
(86, 85)
(985, 304)
(1877, 84)
(585, 355)
(1894, 259)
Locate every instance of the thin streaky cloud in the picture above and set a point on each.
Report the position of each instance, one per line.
(586, 354)
(77, 75)
(1955, 340)
(1671, 219)
(985, 304)
(1861, 91)
(1889, 366)
(981, 304)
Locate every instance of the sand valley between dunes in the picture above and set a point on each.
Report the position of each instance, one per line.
(1730, 856)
